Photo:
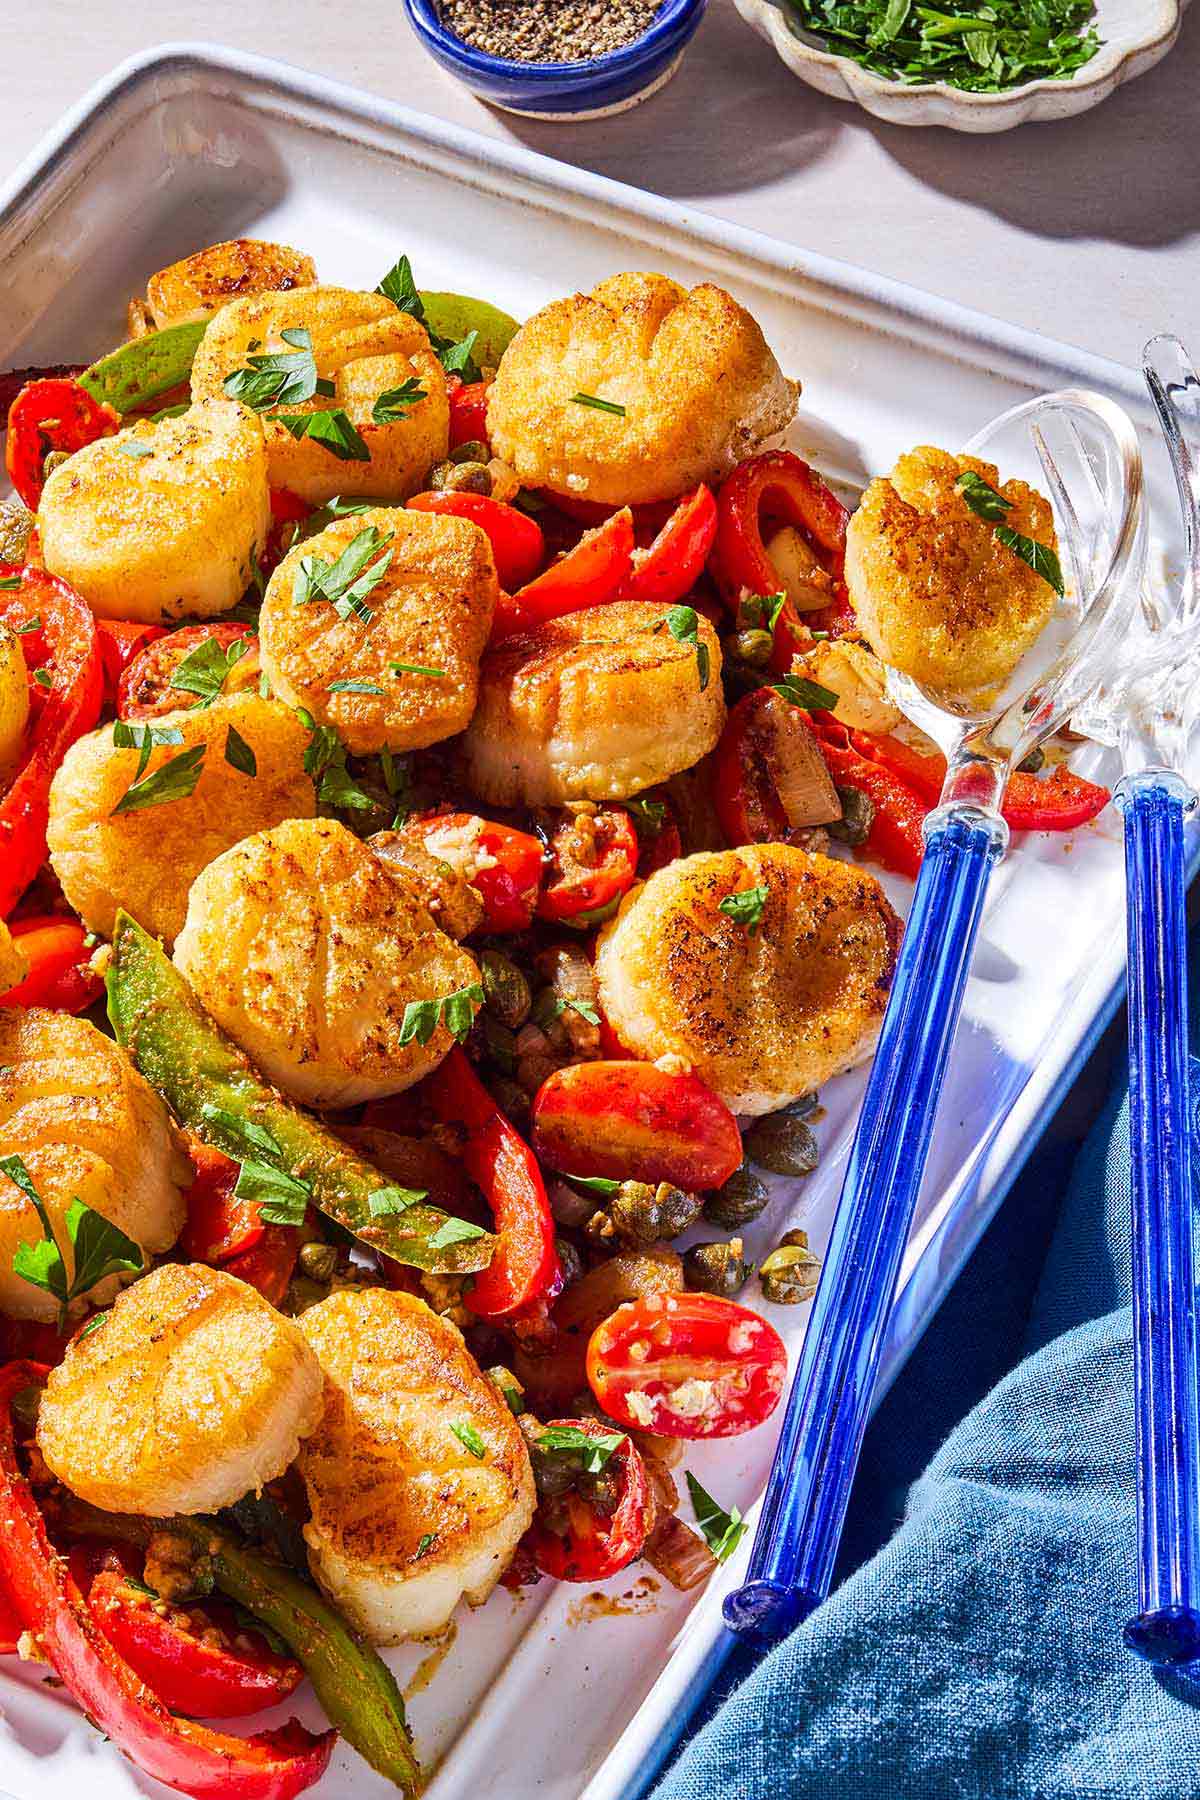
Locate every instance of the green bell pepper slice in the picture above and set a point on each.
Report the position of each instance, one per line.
(145, 367)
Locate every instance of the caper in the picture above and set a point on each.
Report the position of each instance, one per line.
(26, 1404)
(782, 1144)
(570, 1261)
(641, 1214)
(741, 1199)
(789, 1274)
(505, 990)
(318, 1261)
(499, 1044)
(753, 647)
(716, 1268)
(474, 450)
(858, 816)
(512, 1100)
(802, 1107)
(553, 1473)
(462, 478)
(1033, 762)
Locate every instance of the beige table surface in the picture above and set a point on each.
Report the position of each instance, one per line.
(1088, 230)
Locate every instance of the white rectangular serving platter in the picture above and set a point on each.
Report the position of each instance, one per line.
(553, 1694)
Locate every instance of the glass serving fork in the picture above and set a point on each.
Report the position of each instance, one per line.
(1150, 714)
(1082, 450)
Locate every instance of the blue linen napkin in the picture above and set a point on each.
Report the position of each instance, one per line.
(978, 1655)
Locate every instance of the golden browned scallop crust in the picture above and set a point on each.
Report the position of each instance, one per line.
(366, 347)
(938, 596)
(308, 949)
(164, 520)
(698, 383)
(406, 1517)
(762, 1017)
(86, 1124)
(193, 1392)
(200, 284)
(432, 610)
(146, 860)
(594, 706)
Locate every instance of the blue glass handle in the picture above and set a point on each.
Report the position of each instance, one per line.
(805, 1505)
(1166, 1629)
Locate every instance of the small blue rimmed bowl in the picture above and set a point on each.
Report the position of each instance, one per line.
(561, 90)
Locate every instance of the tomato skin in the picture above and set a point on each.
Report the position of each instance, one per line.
(468, 411)
(591, 574)
(517, 542)
(748, 807)
(575, 891)
(219, 1225)
(594, 1544)
(120, 641)
(1059, 802)
(287, 509)
(55, 951)
(673, 564)
(270, 1264)
(632, 1120)
(144, 690)
(508, 885)
(54, 414)
(658, 1348)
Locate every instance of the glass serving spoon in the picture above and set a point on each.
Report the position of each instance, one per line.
(1083, 450)
(1150, 715)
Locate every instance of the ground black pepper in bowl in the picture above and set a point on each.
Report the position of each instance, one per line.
(546, 31)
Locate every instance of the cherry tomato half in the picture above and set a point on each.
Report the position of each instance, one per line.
(635, 1121)
(57, 955)
(517, 542)
(593, 861)
(502, 865)
(602, 1522)
(55, 414)
(120, 640)
(687, 1366)
(468, 411)
(145, 691)
(673, 564)
(219, 1224)
(769, 773)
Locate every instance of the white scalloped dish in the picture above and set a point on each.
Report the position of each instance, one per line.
(1135, 34)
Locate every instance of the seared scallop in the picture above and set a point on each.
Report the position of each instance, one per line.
(14, 701)
(762, 1014)
(164, 520)
(86, 1125)
(402, 670)
(688, 384)
(200, 284)
(594, 706)
(145, 856)
(938, 595)
(368, 349)
(193, 1392)
(418, 1477)
(308, 950)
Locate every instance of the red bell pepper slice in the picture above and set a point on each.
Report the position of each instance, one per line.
(468, 411)
(767, 776)
(673, 564)
(1059, 801)
(591, 574)
(219, 1224)
(57, 955)
(56, 414)
(524, 1275)
(575, 1539)
(71, 706)
(784, 488)
(38, 1584)
(896, 838)
(580, 888)
(191, 1659)
(517, 542)
(120, 641)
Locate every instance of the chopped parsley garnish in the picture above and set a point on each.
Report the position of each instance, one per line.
(396, 403)
(455, 1011)
(206, 669)
(424, 1545)
(399, 287)
(986, 503)
(761, 611)
(745, 908)
(242, 1131)
(282, 379)
(469, 1438)
(683, 623)
(43, 677)
(722, 1531)
(455, 1231)
(598, 405)
(416, 669)
(386, 1202)
(354, 687)
(175, 780)
(9, 584)
(325, 762)
(331, 429)
(649, 816)
(552, 1006)
(346, 582)
(238, 753)
(458, 359)
(281, 1199)
(99, 1248)
(143, 738)
(590, 1452)
(595, 1184)
(810, 696)
(398, 782)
